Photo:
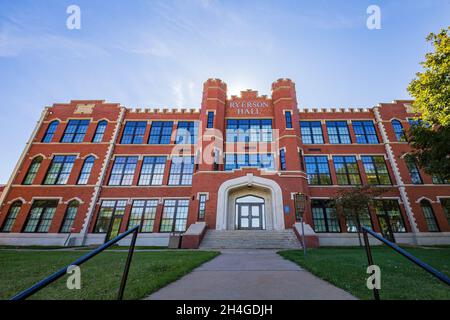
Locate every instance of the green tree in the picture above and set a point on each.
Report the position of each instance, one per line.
(431, 149)
(431, 91)
(431, 88)
(352, 203)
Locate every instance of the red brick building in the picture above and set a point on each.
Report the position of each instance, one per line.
(92, 169)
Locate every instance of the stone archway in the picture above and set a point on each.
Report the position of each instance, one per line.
(266, 188)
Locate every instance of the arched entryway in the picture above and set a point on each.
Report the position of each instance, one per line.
(258, 197)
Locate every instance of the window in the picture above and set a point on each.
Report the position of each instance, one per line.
(201, 206)
(376, 170)
(282, 159)
(365, 132)
(32, 171)
(413, 170)
(347, 172)
(311, 132)
(446, 206)
(210, 122)
(389, 215)
(437, 179)
(430, 218)
(143, 212)
(249, 130)
(75, 131)
(11, 216)
(288, 118)
(160, 132)
(152, 171)
(134, 132)
(351, 222)
(100, 131)
(324, 217)
(59, 170)
(174, 216)
(86, 170)
(398, 130)
(48, 137)
(318, 170)
(41, 216)
(122, 173)
(69, 218)
(181, 171)
(109, 209)
(415, 122)
(187, 132)
(338, 132)
(237, 161)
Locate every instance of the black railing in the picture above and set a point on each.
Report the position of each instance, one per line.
(410, 257)
(50, 279)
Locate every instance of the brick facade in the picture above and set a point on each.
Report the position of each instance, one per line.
(208, 176)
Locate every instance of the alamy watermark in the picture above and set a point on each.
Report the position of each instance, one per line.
(73, 21)
(74, 280)
(374, 20)
(374, 280)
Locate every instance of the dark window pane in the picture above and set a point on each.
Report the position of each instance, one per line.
(122, 172)
(365, 132)
(40, 216)
(324, 217)
(11, 216)
(134, 132)
(318, 170)
(100, 131)
(338, 132)
(48, 137)
(75, 131)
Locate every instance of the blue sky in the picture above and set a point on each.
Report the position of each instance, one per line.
(158, 53)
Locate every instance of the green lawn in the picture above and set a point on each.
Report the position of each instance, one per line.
(400, 279)
(100, 277)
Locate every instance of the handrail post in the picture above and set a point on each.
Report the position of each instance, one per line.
(376, 294)
(126, 270)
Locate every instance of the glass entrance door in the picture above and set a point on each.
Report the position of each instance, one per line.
(250, 213)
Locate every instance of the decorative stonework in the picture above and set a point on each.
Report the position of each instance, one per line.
(233, 184)
(84, 108)
(409, 108)
(396, 170)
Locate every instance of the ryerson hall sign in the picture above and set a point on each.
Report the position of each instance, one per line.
(248, 107)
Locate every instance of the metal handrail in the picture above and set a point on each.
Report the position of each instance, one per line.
(58, 274)
(434, 272)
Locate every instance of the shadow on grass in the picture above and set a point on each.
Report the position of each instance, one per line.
(345, 267)
(100, 277)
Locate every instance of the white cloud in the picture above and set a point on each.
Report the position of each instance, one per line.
(184, 93)
(14, 42)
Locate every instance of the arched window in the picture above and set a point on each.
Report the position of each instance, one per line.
(86, 170)
(11, 217)
(69, 217)
(32, 171)
(100, 131)
(48, 137)
(430, 218)
(399, 132)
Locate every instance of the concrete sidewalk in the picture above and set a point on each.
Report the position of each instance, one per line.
(250, 275)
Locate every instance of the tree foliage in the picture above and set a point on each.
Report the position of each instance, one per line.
(431, 149)
(430, 139)
(352, 203)
(431, 88)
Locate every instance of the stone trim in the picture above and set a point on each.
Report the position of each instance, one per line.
(249, 180)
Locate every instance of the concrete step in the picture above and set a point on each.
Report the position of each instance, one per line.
(250, 239)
